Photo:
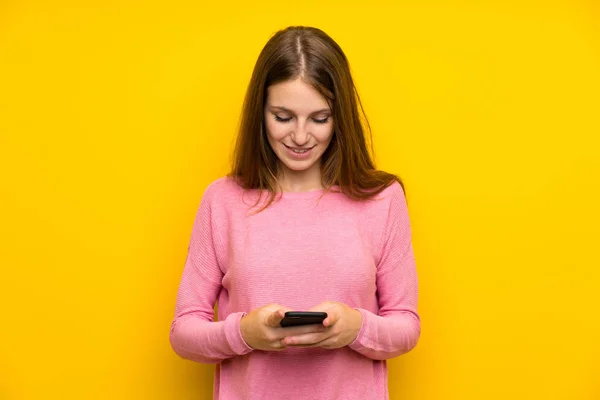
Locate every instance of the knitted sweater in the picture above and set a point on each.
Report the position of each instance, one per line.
(302, 250)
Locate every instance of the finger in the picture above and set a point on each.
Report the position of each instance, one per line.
(275, 307)
(300, 330)
(318, 344)
(306, 339)
(331, 309)
(333, 316)
(326, 344)
(275, 317)
(330, 320)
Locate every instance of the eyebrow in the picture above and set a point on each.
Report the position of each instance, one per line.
(291, 112)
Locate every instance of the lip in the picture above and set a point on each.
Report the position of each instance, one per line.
(299, 156)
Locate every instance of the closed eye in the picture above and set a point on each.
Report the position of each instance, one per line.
(288, 119)
(279, 119)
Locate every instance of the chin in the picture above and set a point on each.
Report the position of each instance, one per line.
(298, 166)
(296, 169)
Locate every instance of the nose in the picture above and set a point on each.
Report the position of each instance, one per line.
(300, 135)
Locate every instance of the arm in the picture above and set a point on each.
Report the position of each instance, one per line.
(194, 335)
(396, 328)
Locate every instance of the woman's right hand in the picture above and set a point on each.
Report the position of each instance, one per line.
(261, 330)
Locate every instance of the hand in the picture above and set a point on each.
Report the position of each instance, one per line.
(261, 330)
(342, 326)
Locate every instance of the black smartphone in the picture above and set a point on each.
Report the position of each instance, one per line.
(295, 318)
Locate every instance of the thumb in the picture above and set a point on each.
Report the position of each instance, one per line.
(275, 317)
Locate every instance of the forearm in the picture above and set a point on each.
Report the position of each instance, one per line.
(195, 338)
(383, 337)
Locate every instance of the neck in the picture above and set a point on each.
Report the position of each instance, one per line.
(300, 181)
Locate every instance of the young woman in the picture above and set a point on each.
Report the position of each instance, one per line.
(331, 235)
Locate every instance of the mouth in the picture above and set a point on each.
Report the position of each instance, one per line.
(299, 150)
(299, 153)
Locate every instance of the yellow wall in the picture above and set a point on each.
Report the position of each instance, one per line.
(114, 116)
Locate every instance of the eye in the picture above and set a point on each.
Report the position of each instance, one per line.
(279, 119)
(321, 121)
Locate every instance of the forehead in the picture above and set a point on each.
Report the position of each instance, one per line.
(297, 96)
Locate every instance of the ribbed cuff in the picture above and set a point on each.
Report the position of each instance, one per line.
(234, 334)
(357, 345)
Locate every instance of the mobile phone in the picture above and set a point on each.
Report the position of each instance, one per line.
(295, 318)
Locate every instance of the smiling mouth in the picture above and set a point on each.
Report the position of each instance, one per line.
(298, 150)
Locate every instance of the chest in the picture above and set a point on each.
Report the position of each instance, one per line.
(301, 258)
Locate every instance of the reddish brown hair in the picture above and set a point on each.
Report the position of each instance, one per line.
(310, 53)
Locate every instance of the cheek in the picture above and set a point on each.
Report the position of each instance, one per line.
(275, 131)
(324, 133)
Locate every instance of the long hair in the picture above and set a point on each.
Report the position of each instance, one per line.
(308, 52)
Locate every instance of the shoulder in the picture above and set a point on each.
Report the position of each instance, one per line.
(225, 196)
(393, 205)
(379, 207)
(392, 194)
(394, 189)
(222, 187)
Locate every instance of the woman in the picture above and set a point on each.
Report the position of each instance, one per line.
(332, 234)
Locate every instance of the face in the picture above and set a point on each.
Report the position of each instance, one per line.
(299, 125)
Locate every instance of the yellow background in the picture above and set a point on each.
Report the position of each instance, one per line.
(114, 116)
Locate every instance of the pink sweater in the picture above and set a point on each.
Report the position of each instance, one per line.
(298, 252)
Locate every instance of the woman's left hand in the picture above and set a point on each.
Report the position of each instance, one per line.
(343, 324)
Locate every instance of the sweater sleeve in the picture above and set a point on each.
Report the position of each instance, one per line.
(396, 328)
(194, 335)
